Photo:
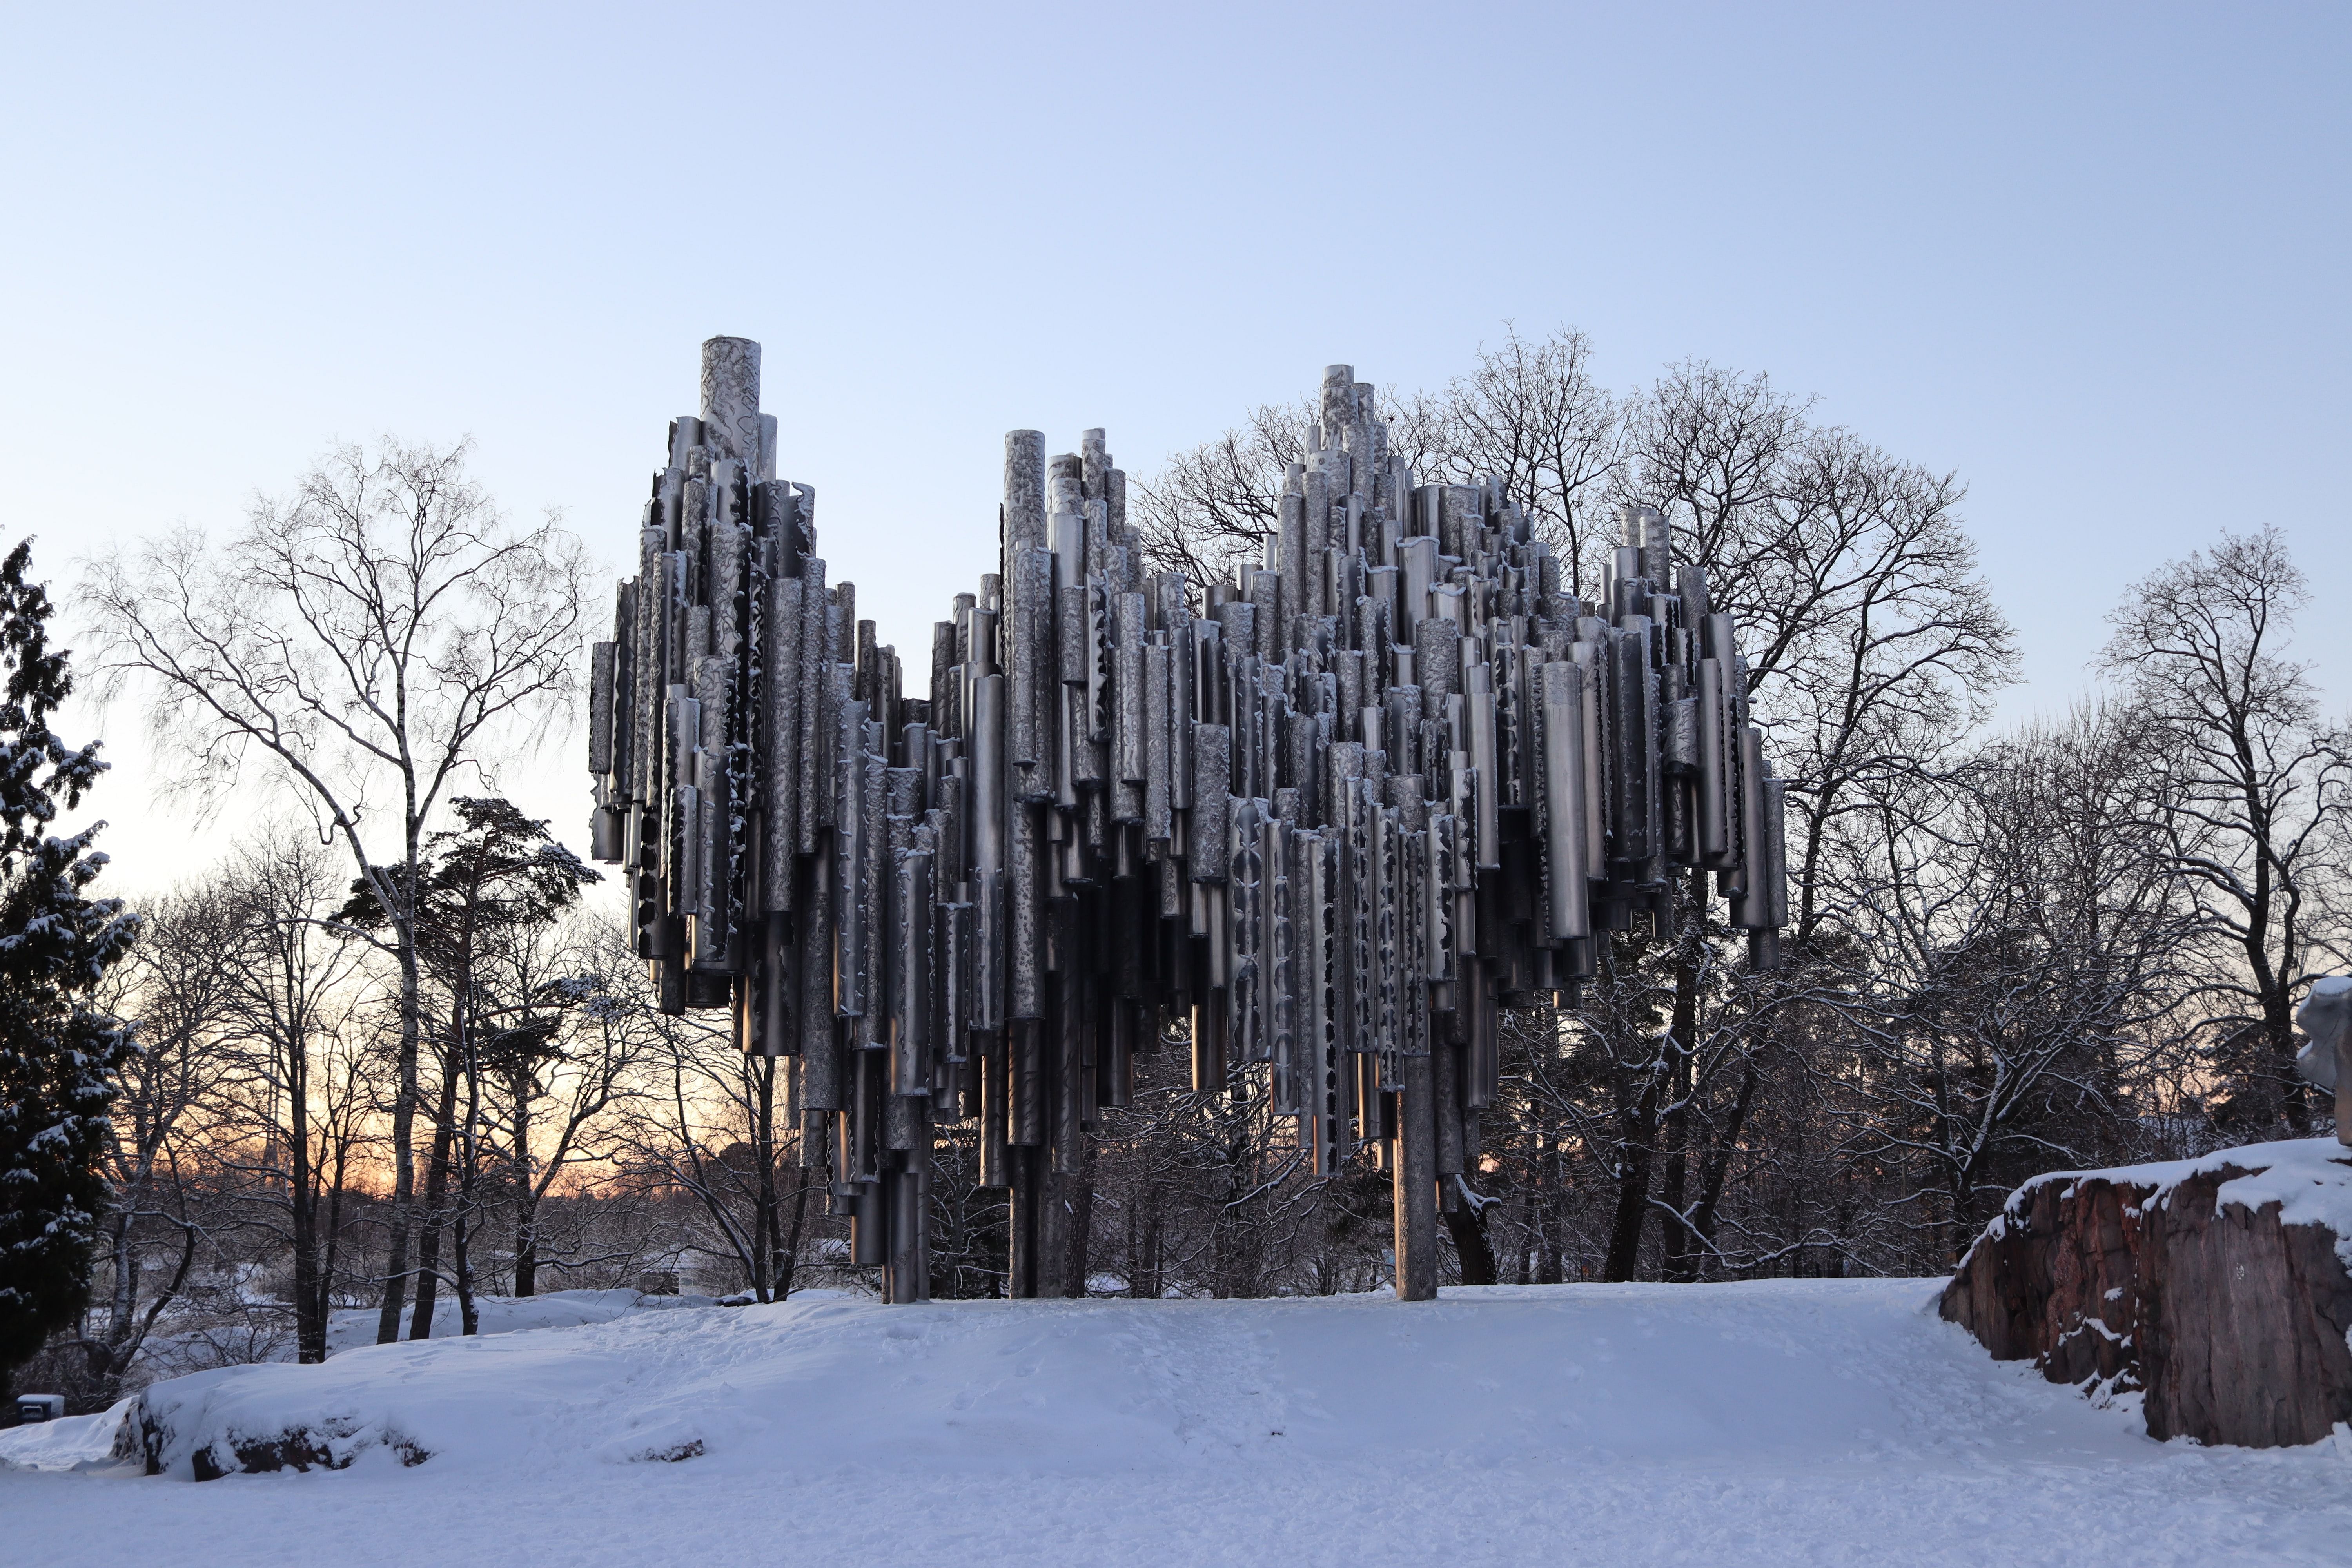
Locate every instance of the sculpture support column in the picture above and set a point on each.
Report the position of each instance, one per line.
(1415, 1180)
(1021, 1278)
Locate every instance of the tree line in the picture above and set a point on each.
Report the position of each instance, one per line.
(392, 1056)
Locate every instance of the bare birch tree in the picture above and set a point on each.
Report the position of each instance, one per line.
(360, 645)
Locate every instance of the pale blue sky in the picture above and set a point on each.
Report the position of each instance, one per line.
(2092, 259)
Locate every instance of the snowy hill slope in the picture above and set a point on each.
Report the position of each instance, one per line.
(352, 1329)
(85, 1442)
(1819, 1422)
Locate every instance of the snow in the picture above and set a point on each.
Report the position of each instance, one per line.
(352, 1327)
(1819, 1422)
(71, 1443)
(2309, 1178)
(85, 1442)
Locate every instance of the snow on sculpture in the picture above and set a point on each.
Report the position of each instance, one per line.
(1327, 817)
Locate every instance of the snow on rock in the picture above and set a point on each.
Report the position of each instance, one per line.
(241, 1430)
(2216, 1286)
(1822, 1421)
(75, 1442)
(333, 1443)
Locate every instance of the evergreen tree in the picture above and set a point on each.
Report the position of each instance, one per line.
(489, 889)
(58, 1054)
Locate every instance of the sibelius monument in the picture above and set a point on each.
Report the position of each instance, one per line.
(1329, 817)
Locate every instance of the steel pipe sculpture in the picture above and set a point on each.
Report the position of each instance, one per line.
(1326, 818)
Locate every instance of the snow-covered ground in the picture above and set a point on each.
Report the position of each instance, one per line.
(1817, 1422)
(350, 1328)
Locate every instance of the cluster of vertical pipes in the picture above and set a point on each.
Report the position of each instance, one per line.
(1322, 821)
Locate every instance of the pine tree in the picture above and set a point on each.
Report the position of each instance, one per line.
(59, 1055)
(486, 886)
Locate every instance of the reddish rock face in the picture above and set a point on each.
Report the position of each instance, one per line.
(2231, 1318)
